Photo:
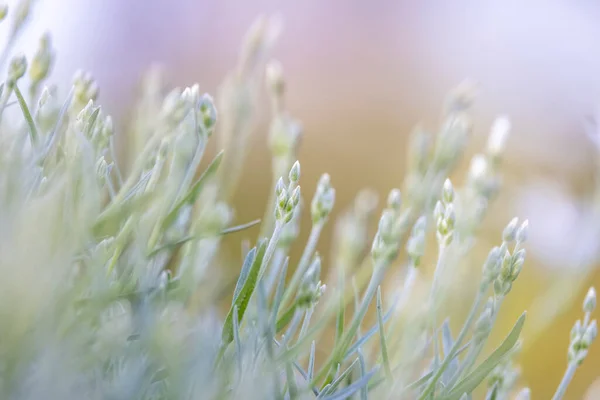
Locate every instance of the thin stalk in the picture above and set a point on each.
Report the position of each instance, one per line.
(376, 278)
(33, 133)
(271, 249)
(475, 351)
(455, 347)
(434, 301)
(564, 383)
(304, 263)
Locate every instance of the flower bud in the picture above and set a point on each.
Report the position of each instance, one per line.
(523, 232)
(16, 69)
(498, 136)
(447, 192)
(509, 232)
(589, 304)
(394, 200)
(294, 175)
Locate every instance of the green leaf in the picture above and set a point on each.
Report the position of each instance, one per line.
(244, 289)
(469, 383)
(374, 329)
(238, 228)
(447, 343)
(384, 354)
(352, 389)
(334, 385)
(192, 194)
(109, 221)
(279, 292)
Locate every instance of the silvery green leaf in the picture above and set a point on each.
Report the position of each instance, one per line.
(353, 388)
(447, 342)
(469, 383)
(194, 191)
(244, 289)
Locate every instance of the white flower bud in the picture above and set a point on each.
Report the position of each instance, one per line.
(523, 232)
(509, 232)
(295, 196)
(498, 136)
(274, 77)
(589, 304)
(280, 187)
(524, 394)
(17, 68)
(294, 175)
(478, 168)
(447, 192)
(394, 200)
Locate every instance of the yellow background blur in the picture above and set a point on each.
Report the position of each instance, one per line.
(360, 75)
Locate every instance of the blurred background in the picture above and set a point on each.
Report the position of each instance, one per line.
(360, 75)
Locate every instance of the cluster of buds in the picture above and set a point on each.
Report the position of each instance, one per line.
(510, 264)
(445, 216)
(323, 200)
(16, 70)
(415, 245)
(203, 107)
(97, 127)
(42, 62)
(455, 129)
(288, 198)
(48, 110)
(483, 172)
(311, 288)
(85, 89)
(290, 231)
(583, 333)
(175, 108)
(392, 224)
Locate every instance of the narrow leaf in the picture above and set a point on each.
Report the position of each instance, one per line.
(334, 385)
(447, 343)
(473, 380)
(374, 329)
(243, 293)
(248, 261)
(384, 353)
(192, 194)
(241, 227)
(311, 362)
(279, 292)
(352, 389)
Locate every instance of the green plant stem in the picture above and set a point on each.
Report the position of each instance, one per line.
(33, 133)
(304, 263)
(339, 351)
(441, 262)
(455, 347)
(271, 248)
(475, 351)
(564, 383)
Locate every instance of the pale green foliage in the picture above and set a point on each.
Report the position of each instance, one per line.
(109, 273)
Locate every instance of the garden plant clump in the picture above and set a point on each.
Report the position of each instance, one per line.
(108, 268)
